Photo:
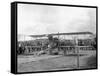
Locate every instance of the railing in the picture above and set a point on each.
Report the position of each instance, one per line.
(79, 47)
(30, 49)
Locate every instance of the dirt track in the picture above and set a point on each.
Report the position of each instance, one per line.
(51, 62)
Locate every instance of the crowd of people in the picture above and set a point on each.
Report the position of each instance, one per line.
(42, 44)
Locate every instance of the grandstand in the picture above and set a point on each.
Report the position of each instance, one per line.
(67, 41)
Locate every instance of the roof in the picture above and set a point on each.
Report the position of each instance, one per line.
(72, 33)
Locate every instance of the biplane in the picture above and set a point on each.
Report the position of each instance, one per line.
(58, 43)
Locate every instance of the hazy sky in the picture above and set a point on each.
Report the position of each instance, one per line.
(44, 19)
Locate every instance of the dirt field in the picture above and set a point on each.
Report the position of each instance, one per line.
(30, 63)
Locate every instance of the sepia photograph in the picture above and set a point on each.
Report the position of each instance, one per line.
(54, 37)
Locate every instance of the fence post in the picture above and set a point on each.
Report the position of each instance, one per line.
(77, 50)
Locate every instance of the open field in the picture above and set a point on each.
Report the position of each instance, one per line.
(31, 63)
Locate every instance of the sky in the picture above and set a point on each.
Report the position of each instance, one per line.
(44, 19)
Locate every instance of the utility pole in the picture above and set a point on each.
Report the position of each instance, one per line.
(58, 43)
